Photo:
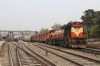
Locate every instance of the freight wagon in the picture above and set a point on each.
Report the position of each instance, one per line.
(33, 38)
(26, 38)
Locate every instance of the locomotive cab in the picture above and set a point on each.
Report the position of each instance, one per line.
(74, 31)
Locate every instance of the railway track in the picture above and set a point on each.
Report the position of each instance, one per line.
(54, 58)
(16, 56)
(20, 57)
(90, 50)
(43, 61)
(21, 54)
(25, 59)
(13, 55)
(77, 59)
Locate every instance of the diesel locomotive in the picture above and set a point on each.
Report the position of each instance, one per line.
(15, 39)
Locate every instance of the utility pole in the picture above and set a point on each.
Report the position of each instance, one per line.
(36, 35)
(89, 34)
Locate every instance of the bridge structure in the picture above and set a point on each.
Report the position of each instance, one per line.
(9, 35)
(14, 32)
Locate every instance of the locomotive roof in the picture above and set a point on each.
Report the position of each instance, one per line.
(64, 26)
(51, 30)
(69, 24)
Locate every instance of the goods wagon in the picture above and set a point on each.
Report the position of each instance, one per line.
(42, 37)
(26, 38)
(21, 38)
(33, 38)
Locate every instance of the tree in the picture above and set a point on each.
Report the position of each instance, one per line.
(96, 19)
(95, 31)
(56, 26)
(87, 18)
(43, 30)
(91, 22)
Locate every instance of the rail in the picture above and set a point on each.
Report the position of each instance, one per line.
(10, 56)
(18, 57)
(66, 57)
(41, 59)
(73, 53)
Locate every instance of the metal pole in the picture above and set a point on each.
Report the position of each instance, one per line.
(36, 35)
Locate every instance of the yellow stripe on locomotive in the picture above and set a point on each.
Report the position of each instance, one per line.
(77, 30)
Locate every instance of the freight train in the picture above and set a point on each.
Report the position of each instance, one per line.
(69, 35)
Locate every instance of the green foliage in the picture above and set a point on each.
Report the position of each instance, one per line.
(95, 31)
(87, 18)
(43, 30)
(96, 19)
(56, 26)
(91, 22)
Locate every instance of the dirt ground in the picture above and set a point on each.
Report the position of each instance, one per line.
(94, 45)
(90, 44)
(2, 52)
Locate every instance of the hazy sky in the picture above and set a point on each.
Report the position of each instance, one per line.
(37, 14)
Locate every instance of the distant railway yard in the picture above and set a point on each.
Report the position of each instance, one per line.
(41, 54)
